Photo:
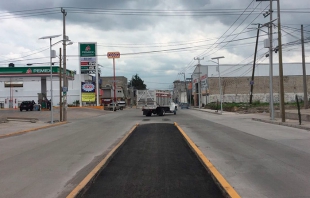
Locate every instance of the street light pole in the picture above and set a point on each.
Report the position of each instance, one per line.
(64, 13)
(60, 95)
(218, 69)
(51, 77)
(52, 55)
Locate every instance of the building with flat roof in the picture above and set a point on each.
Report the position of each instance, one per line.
(236, 82)
(29, 83)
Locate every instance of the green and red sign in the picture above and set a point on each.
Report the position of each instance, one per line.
(88, 58)
(32, 70)
(87, 49)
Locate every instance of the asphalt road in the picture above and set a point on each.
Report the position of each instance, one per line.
(154, 162)
(257, 159)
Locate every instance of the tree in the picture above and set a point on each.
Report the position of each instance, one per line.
(137, 82)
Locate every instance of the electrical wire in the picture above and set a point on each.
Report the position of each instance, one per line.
(228, 28)
(241, 31)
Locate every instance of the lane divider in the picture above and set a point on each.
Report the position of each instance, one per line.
(78, 189)
(30, 130)
(220, 180)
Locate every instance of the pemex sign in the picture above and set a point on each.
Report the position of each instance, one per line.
(87, 49)
(88, 58)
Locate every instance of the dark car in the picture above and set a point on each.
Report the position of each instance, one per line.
(184, 106)
(26, 105)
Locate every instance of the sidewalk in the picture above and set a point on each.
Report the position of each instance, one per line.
(291, 117)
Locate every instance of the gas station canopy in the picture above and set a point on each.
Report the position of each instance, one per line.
(33, 72)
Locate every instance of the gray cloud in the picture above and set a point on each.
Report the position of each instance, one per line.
(120, 29)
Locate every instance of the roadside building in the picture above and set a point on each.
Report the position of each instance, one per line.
(19, 84)
(236, 85)
(108, 89)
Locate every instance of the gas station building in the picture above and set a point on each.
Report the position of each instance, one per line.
(19, 84)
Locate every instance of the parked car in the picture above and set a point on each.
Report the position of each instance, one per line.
(26, 105)
(110, 107)
(184, 106)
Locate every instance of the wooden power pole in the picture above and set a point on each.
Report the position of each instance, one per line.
(254, 62)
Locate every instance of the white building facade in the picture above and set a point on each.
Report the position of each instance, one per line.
(14, 90)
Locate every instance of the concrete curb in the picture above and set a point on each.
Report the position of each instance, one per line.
(216, 113)
(223, 184)
(282, 123)
(33, 129)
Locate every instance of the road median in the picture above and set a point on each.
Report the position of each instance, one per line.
(30, 130)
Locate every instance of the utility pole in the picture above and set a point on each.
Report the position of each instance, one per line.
(65, 81)
(60, 87)
(304, 68)
(254, 62)
(271, 64)
(199, 81)
(185, 86)
(282, 109)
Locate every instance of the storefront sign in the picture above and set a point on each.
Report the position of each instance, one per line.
(88, 97)
(33, 70)
(88, 87)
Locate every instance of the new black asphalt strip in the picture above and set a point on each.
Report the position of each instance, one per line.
(154, 162)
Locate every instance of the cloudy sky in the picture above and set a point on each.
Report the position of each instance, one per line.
(157, 39)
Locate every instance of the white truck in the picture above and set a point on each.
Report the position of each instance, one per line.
(155, 102)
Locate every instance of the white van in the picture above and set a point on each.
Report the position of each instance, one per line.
(121, 104)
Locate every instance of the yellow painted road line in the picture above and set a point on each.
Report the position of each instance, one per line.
(33, 129)
(96, 170)
(230, 191)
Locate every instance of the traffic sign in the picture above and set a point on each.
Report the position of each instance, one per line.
(113, 55)
(64, 89)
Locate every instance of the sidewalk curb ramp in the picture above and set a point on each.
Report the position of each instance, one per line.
(282, 123)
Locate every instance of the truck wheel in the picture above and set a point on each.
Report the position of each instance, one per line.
(162, 112)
